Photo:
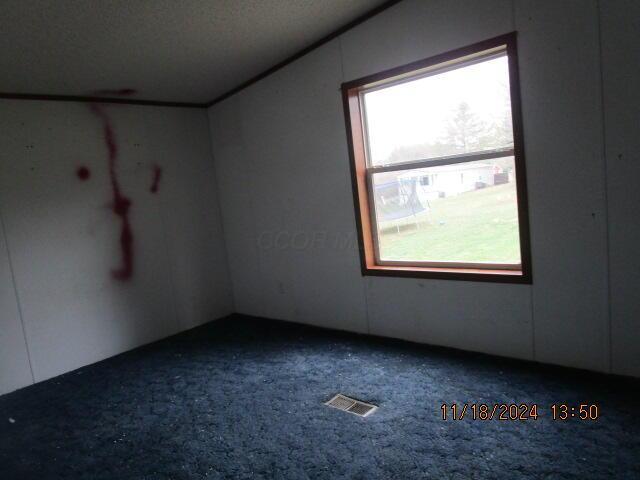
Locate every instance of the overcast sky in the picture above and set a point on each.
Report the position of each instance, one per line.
(418, 111)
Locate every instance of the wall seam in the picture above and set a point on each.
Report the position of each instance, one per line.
(513, 15)
(365, 290)
(234, 306)
(605, 190)
(531, 304)
(17, 295)
(172, 270)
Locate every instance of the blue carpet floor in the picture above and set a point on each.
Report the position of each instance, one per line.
(241, 398)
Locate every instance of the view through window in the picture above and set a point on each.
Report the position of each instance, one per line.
(440, 164)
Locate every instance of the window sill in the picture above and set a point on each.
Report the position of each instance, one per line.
(461, 274)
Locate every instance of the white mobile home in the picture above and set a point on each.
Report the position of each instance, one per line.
(447, 180)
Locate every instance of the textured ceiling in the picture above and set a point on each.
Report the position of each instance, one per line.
(165, 50)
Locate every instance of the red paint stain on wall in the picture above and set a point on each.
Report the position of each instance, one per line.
(155, 183)
(121, 204)
(83, 173)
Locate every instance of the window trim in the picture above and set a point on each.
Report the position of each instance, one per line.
(361, 173)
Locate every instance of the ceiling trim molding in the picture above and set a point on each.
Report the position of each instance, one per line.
(90, 99)
(304, 51)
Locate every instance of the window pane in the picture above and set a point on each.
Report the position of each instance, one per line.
(456, 111)
(465, 212)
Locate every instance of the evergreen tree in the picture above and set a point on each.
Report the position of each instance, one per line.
(465, 132)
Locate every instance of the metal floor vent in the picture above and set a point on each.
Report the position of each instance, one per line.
(351, 405)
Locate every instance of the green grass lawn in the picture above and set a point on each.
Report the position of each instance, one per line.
(478, 226)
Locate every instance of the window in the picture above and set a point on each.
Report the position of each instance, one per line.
(438, 170)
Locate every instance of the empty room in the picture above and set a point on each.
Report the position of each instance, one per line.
(319, 239)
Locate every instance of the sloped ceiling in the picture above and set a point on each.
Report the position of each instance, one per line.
(165, 50)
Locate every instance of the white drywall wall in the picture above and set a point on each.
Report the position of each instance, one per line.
(561, 103)
(282, 164)
(63, 237)
(283, 189)
(15, 371)
(484, 317)
(620, 24)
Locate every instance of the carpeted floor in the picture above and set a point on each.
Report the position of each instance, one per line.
(242, 398)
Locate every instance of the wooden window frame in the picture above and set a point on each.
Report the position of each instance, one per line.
(352, 102)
